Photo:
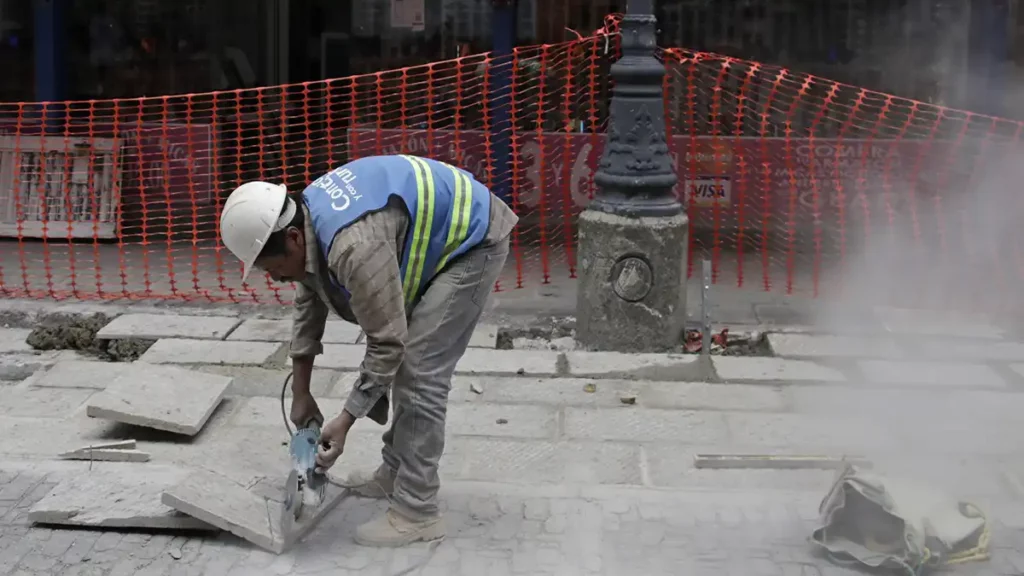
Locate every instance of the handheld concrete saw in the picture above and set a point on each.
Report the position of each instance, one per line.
(305, 486)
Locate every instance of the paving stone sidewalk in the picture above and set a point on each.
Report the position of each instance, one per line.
(493, 529)
(557, 461)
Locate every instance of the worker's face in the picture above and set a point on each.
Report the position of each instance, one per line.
(290, 266)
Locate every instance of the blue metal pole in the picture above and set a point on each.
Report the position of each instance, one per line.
(503, 37)
(50, 55)
(991, 49)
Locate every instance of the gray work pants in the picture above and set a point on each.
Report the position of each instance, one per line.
(440, 328)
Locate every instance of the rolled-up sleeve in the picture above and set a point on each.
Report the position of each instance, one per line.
(363, 259)
(309, 318)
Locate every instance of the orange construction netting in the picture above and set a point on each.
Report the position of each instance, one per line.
(793, 183)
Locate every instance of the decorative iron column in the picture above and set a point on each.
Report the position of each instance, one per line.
(636, 174)
(633, 236)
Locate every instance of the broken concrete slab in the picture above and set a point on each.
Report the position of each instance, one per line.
(187, 351)
(19, 367)
(115, 445)
(156, 326)
(165, 398)
(13, 340)
(674, 367)
(115, 496)
(261, 330)
(106, 455)
(231, 507)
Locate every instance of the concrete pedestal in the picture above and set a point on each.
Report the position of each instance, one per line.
(632, 284)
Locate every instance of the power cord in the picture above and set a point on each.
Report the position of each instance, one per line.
(284, 413)
(432, 546)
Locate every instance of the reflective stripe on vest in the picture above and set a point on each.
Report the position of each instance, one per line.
(458, 230)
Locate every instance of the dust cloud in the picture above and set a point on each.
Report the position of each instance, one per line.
(935, 291)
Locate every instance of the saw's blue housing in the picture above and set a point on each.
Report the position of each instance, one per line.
(303, 450)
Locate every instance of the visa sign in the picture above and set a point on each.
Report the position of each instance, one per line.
(708, 192)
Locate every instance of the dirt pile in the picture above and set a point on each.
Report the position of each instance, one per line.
(63, 331)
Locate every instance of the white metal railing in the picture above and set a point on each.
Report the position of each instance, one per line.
(57, 187)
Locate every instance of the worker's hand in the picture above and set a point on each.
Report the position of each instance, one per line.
(304, 410)
(332, 441)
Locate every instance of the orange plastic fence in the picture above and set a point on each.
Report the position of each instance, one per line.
(796, 183)
(791, 181)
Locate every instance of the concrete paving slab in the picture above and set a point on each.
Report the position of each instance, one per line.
(707, 396)
(931, 374)
(258, 412)
(645, 425)
(485, 336)
(581, 392)
(13, 340)
(261, 330)
(43, 402)
(475, 361)
(508, 362)
(798, 433)
(834, 319)
(256, 381)
(921, 322)
(115, 496)
(539, 462)
(340, 332)
(231, 507)
(186, 351)
(502, 420)
(781, 370)
(341, 356)
(498, 420)
(827, 345)
(165, 398)
(156, 326)
(533, 390)
(968, 351)
(86, 374)
(673, 367)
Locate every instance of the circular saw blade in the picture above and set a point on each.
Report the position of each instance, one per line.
(293, 495)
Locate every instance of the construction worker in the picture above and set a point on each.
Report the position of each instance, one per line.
(409, 248)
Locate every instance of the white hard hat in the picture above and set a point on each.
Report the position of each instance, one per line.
(253, 212)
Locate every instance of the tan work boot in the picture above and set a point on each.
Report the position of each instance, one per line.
(377, 484)
(392, 530)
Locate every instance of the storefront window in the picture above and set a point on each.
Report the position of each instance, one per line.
(130, 48)
(16, 50)
(450, 28)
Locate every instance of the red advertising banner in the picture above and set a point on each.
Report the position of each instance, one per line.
(827, 182)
